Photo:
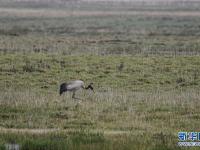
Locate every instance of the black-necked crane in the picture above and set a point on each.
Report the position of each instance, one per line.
(73, 86)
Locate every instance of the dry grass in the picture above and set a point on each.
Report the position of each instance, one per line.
(120, 110)
(24, 13)
(157, 114)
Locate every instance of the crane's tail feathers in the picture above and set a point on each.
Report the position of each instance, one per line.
(63, 88)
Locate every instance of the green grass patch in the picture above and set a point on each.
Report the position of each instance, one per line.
(46, 72)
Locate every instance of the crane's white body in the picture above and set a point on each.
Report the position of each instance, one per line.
(75, 85)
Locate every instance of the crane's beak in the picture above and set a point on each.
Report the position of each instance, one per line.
(92, 89)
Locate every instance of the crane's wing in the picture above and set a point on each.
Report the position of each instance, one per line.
(73, 85)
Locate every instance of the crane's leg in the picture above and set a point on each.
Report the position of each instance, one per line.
(73, 95)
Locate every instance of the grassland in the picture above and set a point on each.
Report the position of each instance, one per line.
(141, 106)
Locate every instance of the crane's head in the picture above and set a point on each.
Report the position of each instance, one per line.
(90, 87)
(63, 88)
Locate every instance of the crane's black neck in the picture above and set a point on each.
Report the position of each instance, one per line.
(89, 87)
